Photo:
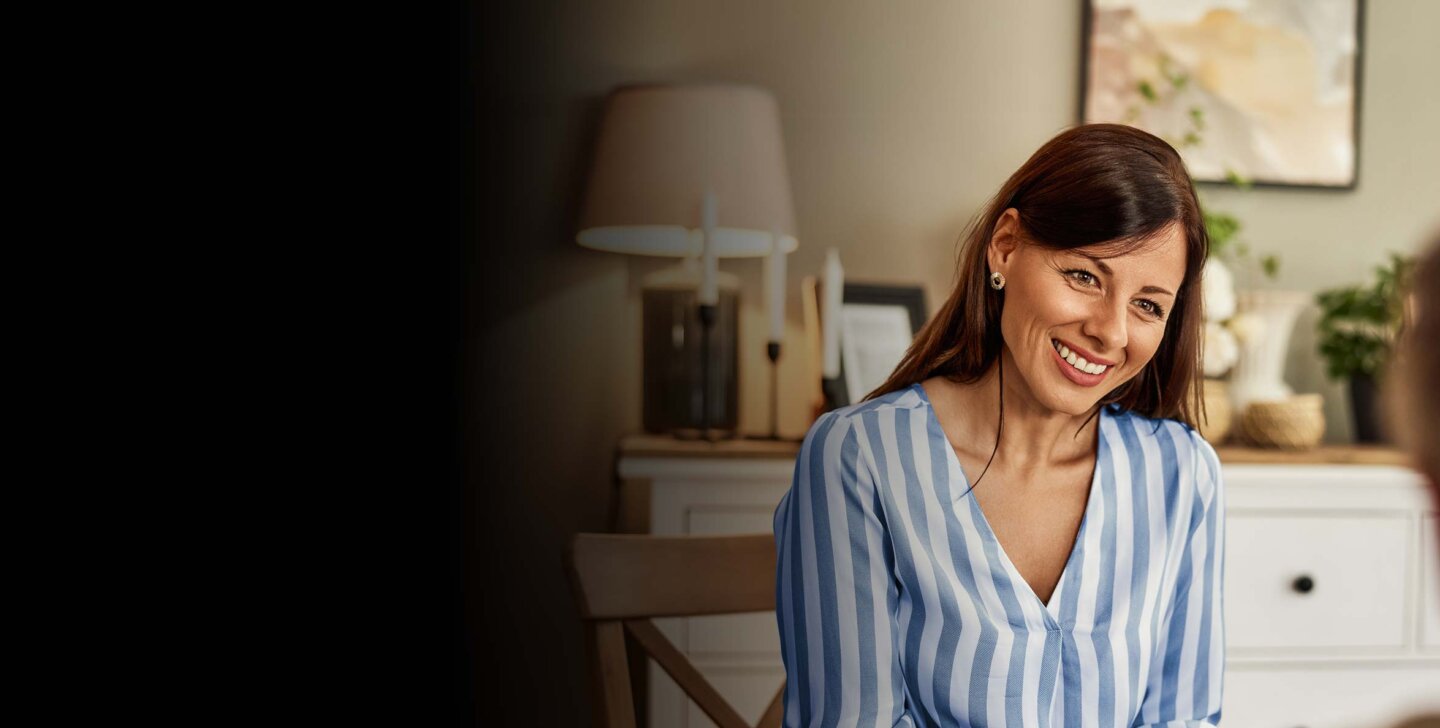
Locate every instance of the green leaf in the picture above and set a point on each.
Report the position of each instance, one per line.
(1221, 227)
(1237, 179)
(1197, 117)
(1271, 265)
(1148, 92)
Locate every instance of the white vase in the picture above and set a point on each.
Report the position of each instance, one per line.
(1259, 374)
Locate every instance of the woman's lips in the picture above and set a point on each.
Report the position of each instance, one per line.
(1075, 375)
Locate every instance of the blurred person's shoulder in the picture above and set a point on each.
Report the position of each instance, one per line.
(1431, 720)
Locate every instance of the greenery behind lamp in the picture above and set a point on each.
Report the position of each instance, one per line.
(1357, 327)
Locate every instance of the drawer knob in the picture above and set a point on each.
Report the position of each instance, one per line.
(1303, 584)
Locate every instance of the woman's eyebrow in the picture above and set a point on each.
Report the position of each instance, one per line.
(1106, 270)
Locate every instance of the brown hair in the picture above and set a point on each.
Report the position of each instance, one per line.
(1096, 183)
(1413, 390)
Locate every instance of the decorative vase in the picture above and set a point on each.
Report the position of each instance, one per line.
(1219, 415)
(1259, 373)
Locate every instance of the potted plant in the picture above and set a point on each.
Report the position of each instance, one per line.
(1357, 327)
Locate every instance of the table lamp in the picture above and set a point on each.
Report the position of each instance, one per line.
(697, 172)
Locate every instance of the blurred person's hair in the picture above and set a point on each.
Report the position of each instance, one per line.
(1413, 386)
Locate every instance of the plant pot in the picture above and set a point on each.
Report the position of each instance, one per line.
(1259, 373)
(1365, 410)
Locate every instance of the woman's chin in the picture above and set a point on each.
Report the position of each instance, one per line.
(1075, 404)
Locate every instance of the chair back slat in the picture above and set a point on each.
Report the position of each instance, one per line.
(621, 576)
(621, 581)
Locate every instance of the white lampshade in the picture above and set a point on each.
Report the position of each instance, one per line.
(661, 148)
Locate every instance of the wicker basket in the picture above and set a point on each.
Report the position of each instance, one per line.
(1294, 423)
(1219, 414)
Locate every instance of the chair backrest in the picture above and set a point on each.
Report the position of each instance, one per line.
(622, 581)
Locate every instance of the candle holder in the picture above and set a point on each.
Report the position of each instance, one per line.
(772, 350)
(707, 323)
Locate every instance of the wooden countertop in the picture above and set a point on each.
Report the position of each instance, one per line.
(648, 445)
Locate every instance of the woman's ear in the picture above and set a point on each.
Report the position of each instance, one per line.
(1003, 241)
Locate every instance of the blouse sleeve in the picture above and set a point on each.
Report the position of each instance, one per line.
(1185, 681)
(836, 599)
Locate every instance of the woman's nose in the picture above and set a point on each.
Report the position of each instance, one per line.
(1106, 327)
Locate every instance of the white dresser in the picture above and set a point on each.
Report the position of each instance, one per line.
(1332, 587)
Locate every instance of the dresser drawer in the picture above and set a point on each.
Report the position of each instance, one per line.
(1371, 696)
(1354, 565)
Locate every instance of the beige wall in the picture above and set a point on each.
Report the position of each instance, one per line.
(900, 120)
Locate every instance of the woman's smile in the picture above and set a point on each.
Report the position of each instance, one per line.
(1077, 368)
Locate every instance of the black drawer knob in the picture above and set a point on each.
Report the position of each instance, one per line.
(1303, 584)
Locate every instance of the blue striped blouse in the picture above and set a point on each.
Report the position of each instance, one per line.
(897, 606)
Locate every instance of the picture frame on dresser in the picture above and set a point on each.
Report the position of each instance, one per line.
(878, 322)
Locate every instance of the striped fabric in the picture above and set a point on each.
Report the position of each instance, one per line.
(898, 607)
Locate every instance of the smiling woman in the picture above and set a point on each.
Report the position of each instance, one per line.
(1082, 585)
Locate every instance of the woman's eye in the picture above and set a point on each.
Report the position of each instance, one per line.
(1083, 277)
(1152, 308)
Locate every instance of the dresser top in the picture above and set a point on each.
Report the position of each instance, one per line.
(663, 446)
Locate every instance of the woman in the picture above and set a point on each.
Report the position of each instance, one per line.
(1079, 583)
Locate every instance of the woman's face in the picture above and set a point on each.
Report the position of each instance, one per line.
(1069, 307)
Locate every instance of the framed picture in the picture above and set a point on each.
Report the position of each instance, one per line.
(1266, 91)
(877, 325)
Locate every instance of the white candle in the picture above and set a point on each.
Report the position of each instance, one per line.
(834, 286)
(709, 262)
(775, 288)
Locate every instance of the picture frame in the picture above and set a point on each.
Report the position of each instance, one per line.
(1189, 72)
(878, 324)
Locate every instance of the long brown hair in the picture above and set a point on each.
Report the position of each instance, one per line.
(1096, 183)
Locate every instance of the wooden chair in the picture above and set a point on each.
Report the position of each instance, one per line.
(622, 581)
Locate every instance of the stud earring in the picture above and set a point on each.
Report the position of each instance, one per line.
(997, 281)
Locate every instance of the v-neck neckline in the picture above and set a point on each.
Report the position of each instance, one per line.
(1051, 608)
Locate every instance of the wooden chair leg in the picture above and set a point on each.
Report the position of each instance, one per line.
(776, 712)
(615, 707)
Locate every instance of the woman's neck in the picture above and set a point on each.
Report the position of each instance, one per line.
(1034, 436)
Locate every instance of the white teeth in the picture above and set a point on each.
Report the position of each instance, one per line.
(1078, 361)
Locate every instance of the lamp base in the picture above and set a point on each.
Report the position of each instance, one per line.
(676, 398)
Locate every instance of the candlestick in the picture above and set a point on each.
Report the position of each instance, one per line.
(775, 288)
(709, 263)
(830, 314)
